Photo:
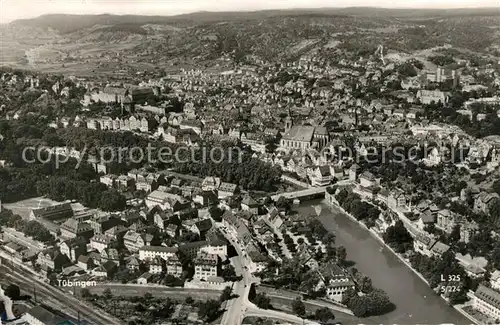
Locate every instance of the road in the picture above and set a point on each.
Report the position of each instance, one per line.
(254, 311)
(54, 297)
(237, 307)
(157, 291)
(240, 307)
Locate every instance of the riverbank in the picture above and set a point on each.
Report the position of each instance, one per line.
(333, 204)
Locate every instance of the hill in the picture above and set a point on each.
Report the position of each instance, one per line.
(143, 42)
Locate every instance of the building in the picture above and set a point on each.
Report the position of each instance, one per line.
(156, 265)
(429, 96)
(73, 248)
(495, 280)
(133, 241)
(396, 199)
(249, 204)
(443, 74)
(320, 176)
(338, 281)
(487, 301)
(150, 252)
(174, 266)
(191, 250)
(72, 228)
(166, 201)
(202, 227)
(53, 212)
(100, 242)
(205, 266)
(302, 137)
(367, 180)
(227, 189)
(484, 201)
(446, 220)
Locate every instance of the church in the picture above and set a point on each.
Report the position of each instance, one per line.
(303, 137)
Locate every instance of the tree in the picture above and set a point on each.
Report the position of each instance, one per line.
(85, 293)
(13, 292)
(298, 307)
(209, 310)
(495, 257)
(455, 235)
(398, 237)
(341, 255)
(283, 203)
(189, 300)
(107, 294)
(226, 294)
(324, 315)
(366, 285)
(262, 301)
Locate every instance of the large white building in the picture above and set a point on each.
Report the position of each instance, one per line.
(487, 301)
(150, 252)
(205, 266)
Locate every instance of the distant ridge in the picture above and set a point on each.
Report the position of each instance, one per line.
(65, 23)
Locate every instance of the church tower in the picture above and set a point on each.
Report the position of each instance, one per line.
(288, 123)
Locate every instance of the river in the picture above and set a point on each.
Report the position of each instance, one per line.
(415, 301)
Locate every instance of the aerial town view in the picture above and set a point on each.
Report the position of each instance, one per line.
(177, 163)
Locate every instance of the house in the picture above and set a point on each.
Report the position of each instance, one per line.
(166, 201)
(396, 199)
(161, 219)
(174, 266)
(421, 244)
(133, 241)
(110, 255)
(484, 201)
(53, 259)
(132, 263)
(106, 270)
(495, 280)
(446, 220)
(353, 172)
(367, 180)
(151, 252)
(335, 280)
(202, 227)
(145, 278)
(156, 265)
(227, 189)
(100, 242)
(383, 196)
(320, 176)
(205, 198)
(205, 266)
(73, 248)
(249, 204)
(467, 230)
(426, 218)
(72, 228)
(85, 262)
(487, 301)
(439, 248)
(172, 230)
